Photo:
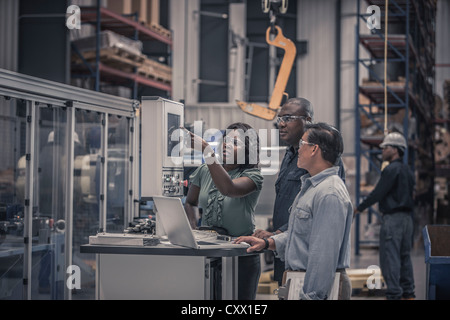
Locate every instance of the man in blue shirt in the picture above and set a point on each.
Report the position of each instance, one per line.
(293, 116)
(317, 240)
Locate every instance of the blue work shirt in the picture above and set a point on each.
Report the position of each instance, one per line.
(318, 235)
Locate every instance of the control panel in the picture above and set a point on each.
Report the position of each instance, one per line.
(172, 183)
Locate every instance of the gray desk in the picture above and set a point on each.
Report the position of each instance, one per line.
(165, 271)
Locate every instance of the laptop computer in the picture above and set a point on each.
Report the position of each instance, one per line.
(171, 214)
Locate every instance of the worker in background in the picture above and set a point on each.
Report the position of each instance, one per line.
(317, 240)
(293, 116)
(228, 193)
(394, 192)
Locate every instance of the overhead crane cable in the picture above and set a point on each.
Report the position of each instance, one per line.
(385, 67)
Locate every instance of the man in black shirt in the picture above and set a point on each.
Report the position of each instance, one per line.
(294, 114)
(394, 192)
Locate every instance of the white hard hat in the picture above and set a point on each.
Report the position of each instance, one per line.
(394, 139)
(51, 137)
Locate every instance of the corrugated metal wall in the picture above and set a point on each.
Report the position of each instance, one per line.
(316, 69)
(9, 14)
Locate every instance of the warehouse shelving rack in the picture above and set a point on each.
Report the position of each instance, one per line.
(412, 95)
(105, 19)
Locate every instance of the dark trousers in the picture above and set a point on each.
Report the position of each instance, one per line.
(249, 271)
(278, 269)
(395, 260)
(249, 268)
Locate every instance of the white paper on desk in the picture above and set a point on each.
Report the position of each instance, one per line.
(297, 280)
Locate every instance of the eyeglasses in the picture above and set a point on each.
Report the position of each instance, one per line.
(287, 119)
(302, 142)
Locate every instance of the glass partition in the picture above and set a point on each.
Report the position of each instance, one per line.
(117, 176)
(12, 182)
(48, 224)
(63, 189)
(86, 186)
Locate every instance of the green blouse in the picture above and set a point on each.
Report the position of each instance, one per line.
(236, 215)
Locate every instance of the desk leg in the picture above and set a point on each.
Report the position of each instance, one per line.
(229, 278)
(97, 277)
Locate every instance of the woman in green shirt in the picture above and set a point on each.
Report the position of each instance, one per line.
(228, 193)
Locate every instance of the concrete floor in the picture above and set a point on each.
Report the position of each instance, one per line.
(369, 256)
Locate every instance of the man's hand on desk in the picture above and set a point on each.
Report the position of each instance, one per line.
(256, 244)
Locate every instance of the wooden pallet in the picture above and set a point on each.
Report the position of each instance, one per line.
(267, 288)
(400, 83)
(358, 278)
(158, 71)
(151, 74)
(129, 62)
(160, 30)
(266, 283)
(114, 57)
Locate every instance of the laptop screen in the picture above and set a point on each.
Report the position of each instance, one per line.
(172, 216)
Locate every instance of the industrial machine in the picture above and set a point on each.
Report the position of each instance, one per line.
(274, 7)
(161, 157)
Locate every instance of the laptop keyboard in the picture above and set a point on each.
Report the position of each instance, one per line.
(202, 235)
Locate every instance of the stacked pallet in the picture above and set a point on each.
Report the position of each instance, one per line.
(115, 57)
(155, 70)
(400, 82)
(442, 156)
(122, 54)
(371, 131)
(442, 145)
(124, 61)
(156, 27)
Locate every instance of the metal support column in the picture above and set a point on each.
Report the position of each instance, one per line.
(29, 196)
(406, 118)
(103, 174)
(396, 11)
(97, 48)
(357, 135)
(69, 195)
